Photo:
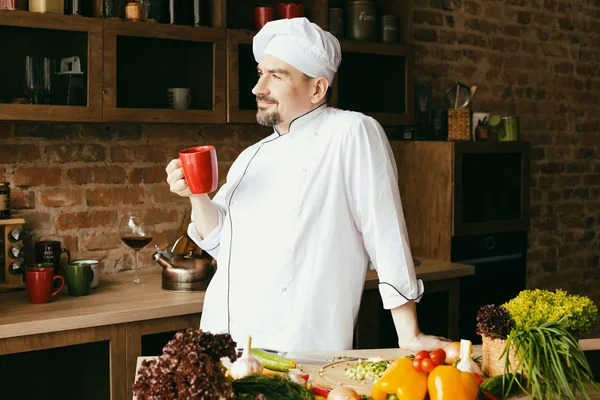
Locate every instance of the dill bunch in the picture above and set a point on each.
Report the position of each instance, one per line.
(532, 308)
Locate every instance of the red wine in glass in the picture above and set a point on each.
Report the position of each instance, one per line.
(136, 232)
(136, 242)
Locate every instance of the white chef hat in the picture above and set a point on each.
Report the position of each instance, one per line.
(302, 44)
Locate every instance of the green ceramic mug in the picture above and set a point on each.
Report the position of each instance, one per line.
(78, 277)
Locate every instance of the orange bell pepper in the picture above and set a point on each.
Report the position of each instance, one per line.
(401, 379)
(446, 382)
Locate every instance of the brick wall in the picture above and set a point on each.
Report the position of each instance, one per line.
(74, 182)
(537, 59)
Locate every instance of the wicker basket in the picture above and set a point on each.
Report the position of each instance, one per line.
(492, 364)
(459, 124)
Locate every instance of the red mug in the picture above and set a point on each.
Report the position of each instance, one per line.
(40, 283)
(289, 10)
(262, 15)
(200, 168)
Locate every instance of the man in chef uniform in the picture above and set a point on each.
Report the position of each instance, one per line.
(303, 211)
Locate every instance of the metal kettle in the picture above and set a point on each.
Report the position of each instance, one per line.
(186, 272)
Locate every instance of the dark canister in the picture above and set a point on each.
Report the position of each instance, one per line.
(4, 200)
(336, 22)
(361, 20)
(389, 29)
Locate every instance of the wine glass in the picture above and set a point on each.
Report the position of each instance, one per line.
(48, 79)
(136, 232)
(32, 79)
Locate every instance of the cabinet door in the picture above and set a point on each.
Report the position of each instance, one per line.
(376, 79)
(142, 61)
(241, 77)
(55, 37)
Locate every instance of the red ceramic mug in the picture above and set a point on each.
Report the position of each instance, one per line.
(262, 15)
(289, 10)
(200, 168)
(40, 284)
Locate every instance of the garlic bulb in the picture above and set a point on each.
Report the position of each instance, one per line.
(466, 362)
(247, 364)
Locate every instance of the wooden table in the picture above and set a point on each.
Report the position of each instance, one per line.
(121, 313)
(365, 389)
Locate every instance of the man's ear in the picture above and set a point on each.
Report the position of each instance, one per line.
(320, 86)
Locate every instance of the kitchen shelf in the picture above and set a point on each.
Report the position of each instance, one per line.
(142, 60)
(56, 36)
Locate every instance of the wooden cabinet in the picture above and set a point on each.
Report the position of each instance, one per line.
(53, 36)
(143, 60)
(128, 66)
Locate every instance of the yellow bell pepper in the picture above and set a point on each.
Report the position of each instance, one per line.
(402, 380)
(446, 382)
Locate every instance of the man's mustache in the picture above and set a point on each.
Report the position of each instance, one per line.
(265, 99)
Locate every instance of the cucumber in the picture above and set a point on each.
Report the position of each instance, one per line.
(274, 362)
(494, 385)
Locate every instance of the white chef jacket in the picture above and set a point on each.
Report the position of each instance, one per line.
(299, 217)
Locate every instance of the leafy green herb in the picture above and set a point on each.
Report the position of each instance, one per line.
(551, 360)
(275, 387)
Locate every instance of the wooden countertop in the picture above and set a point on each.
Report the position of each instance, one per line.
(117, 300)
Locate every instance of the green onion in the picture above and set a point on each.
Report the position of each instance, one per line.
(551, 360)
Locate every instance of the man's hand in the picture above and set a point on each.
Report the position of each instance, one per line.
(176, 180)
(424, 342)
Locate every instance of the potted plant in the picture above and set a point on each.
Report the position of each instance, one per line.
(535, 337)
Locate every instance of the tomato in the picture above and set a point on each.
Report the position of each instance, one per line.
(421, 355)
(427, 365)
(417, 365)
(438, 356)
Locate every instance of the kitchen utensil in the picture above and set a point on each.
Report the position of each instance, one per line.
(262, 15)
(200, 168)
(361, 20)
(289, 10)
(71, 84)
(336, 22)
(458, 96)
(40, 284)
(136, 231)
(79, 277)
(33, 80)
(389, 29)
(95, 265)
(188, 272)
(49, 251)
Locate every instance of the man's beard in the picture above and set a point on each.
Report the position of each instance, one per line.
(268, 118)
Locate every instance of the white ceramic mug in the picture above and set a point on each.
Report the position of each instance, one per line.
(95, 264)
(180, 98)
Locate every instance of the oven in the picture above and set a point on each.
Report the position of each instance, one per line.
(500, 261)
(491, 187)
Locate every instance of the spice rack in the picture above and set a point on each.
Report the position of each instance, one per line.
(11, 253)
